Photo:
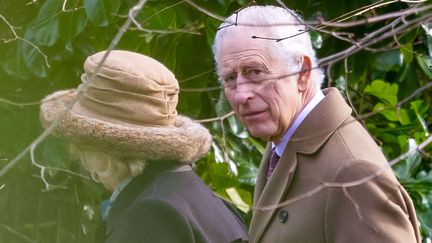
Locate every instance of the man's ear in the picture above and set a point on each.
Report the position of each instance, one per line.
(304, 74)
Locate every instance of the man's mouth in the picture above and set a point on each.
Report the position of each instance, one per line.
(253, 115)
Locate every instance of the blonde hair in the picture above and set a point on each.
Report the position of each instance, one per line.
(105, 168)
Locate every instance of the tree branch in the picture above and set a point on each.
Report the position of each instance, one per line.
(16, 37)
(132, 12)
(219, 118)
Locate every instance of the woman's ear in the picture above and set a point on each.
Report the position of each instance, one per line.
(304, 74)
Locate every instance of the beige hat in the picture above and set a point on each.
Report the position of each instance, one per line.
(128, 109)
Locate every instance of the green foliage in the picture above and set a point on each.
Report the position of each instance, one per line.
(57, 37)
(100, 13)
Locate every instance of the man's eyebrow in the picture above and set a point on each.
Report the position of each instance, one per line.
(225, 71)
(253, 64)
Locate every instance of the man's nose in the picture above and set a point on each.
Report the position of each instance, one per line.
(243, 91)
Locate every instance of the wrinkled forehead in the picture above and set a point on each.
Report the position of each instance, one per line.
(238, 42)
(244, 33)
(239, 38)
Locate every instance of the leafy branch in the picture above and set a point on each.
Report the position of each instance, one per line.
(17, 37)
(133, 11)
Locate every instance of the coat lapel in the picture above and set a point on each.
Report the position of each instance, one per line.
(318, 126)
(273, 191)
(262, 174)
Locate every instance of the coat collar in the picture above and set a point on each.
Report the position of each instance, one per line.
(329, 114)
(314, 131)
(135, 187)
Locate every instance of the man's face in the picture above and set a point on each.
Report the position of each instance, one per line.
(257, 84)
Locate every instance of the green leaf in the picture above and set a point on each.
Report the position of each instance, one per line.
(388, 61)
(409, 37)
(425, 63)
(33, 58)
(358, 66)
(428, 30)
(54, 153)
(45, 31)
(407, 53)
(72, 23)
(101, 12)
(222, 108)
(317, 39)
(383, 91)
(257, 145)
(164, 49)
(341, 83)
(388, 112)
(403, 117)
(14, 65)
(210, 31)
(247, 174)
(237, 128)
(241, 198)
(46, 34)
(413, 159)
(221, 176)
(420, 108)
(158, 17)
(401, 168)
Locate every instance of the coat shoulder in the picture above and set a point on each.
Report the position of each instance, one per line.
(350, 145)
(185, 197)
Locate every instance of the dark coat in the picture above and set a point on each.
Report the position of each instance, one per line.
(165, 206)
(303, 201)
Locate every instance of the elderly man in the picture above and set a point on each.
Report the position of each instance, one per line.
(322, 178)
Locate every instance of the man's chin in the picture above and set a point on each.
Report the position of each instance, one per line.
(259, 134)
(265, 135)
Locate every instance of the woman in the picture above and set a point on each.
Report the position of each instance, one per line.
(125, 130)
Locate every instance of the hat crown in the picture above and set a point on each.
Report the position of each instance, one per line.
(125, 64)
(129, 88)
(127, 108)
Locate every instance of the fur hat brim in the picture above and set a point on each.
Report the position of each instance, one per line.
(185, 141)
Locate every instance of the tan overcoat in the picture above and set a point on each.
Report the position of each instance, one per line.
(330, 147)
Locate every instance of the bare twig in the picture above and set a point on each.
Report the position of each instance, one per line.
(42, 172)
(375, 37)
(64, 9)
(356, 206)
(415, 93)
(173, 31)
(18, 104)
(347, 88)
(205, 11)
(361, 10)
(225, 153)
(196, 76)
(219, 118)
(16, 233)
(32, 2)
(132, 12)
(200, 89)
(329, 75)
(16, 37)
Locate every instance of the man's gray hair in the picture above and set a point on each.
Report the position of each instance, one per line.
(279, 23)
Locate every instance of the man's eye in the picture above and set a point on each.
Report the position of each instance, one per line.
(254, 72)
(230, 79)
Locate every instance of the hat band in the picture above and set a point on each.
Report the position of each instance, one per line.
(152, 108)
